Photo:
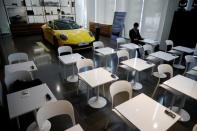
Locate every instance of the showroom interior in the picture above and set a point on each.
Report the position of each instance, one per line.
(98, 65)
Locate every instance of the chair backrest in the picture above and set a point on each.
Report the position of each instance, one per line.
(195, 127)
(168, 43)
(189, 59)
(84, 63)
(18, 75)
(118, 87)
(17, 57)
(165, 68)
(120, 40)
(147, 49)
(63, 50)
(97, 44)
(121, 54)
(52, 109)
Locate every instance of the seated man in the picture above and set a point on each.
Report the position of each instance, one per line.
(134, 34)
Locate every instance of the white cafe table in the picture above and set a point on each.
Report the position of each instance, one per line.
(164, 57)
(28, 100)
(28, 66)
(150, 42)
(75, 128)
(71, 59)
(182, 49)
(106, 51)
(138, 65)
(186, 86)
(95, 78)
(146, 114)
(130, 46)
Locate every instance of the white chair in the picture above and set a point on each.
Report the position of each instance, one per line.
(118, 87)
(171, 44)
(81, 65)
(64, 49)
(123, 54)
(148, 49)
(120, 41)
(195, 127)
(97, 45)
(49, 110)
(189, 59)
(18, 75)
(17, 57)
(163, 69)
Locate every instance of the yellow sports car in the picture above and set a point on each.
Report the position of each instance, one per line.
(64, 32)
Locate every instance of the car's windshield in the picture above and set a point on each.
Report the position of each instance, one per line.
(61, 25)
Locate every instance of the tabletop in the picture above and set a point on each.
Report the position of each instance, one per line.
(184, 85)
(70, 58)
(75, 128)
(138, 64)
(149, 41)
(97, 77)
(27, 100)
(20, 66)
(183, 49)
(106, 51)
(130, 46)
(164, 56)
(146, 114)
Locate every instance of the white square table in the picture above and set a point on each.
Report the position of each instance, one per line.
(130, 46)
(106, 51)
(146, 114)
(71, 59)
(27, 66)
(28, 100)
(163, 56)
(95, 78)
(138, 65)
(75, 128)
(182, 49)
(186, 86)
(150, 42)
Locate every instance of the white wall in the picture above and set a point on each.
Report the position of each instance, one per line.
(4, 25)
(133, 14)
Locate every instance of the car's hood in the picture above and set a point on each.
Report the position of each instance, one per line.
(76, 36)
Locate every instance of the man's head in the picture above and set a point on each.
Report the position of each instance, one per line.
(136, 25)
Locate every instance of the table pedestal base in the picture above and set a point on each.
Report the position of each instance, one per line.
(183, 113)
(95, 102)
(72, 78)
(156, 74)
(179, 66)
(136, 86)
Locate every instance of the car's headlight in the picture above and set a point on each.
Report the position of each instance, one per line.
(63, 37)
(90, 33)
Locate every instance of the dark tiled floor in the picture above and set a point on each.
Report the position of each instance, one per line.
(53, 74)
